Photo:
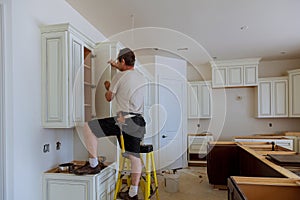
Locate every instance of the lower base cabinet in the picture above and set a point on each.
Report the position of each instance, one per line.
(250, 188)
(62, 186)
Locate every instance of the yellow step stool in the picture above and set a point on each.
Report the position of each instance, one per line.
(148, 177)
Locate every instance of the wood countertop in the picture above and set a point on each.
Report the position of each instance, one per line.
(261, 155)
(287, 173)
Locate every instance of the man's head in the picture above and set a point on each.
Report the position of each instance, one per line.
(126, 57)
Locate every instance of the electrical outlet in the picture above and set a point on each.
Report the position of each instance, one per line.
(270, 125)
(58, 145)
(46, 148)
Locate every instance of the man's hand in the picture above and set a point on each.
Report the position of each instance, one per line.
(113, 63)
(121, 118)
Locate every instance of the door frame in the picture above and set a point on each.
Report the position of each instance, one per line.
(6, 102)
(2, 142)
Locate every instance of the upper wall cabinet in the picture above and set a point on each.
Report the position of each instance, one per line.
(199, 100)
(272, 97)
(235, 73)
(294, 93)
(65, 80)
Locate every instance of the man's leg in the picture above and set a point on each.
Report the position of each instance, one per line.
(136, 170)
(91, 141)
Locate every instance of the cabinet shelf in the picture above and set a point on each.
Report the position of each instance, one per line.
(197, 148)
(87, 66)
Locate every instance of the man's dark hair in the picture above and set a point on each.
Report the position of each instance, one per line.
(127, 55)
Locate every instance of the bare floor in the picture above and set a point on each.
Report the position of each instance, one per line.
(193, 185)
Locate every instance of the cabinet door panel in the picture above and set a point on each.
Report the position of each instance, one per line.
(235, 76)
(265, 99)
(280, 98)
(205, 106)
(219, 77)
(193, 101)
(54, 80)
(67, 190)
(295, 95)
(250, 75)
(76, 85)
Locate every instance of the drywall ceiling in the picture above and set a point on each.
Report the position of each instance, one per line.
(199, 30)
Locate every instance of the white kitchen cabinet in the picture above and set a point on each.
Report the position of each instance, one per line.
(63, 58)
(272, 97)
(197, 147)
(294, 92)
(74, 70)
(199, 100)
(100, 186)
(235, 73)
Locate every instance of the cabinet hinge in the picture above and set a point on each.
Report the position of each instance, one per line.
(93, 56)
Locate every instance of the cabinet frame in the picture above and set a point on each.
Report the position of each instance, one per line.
(235, 73)
(294, 93)
(272, 97)
(199, 100)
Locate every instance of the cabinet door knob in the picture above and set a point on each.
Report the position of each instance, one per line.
(163, 136)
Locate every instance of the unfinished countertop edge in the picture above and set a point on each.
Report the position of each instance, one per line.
(278, 168)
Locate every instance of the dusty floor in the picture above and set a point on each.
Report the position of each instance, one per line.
(193, 185)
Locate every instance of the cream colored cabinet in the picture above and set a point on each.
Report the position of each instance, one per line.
(294, 91)
(199, 100)
(63, 76)
(272, 97)
(88, 187)
(74, 70)
(235, 73)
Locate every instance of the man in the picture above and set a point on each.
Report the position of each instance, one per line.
(127, 88)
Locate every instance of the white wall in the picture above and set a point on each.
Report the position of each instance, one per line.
(240, 119)
(27, 137)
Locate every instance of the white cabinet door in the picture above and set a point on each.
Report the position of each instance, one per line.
(55, 80)
(199, 100)
(272, 97)
(250, 75)
(265, 99)
(205, 100)
(235, 76)
(104, 72)
(193, 104)
(76, 80)
(219, 77)
(294, 91)
(280, 98)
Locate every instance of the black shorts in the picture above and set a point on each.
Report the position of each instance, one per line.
(133, 131)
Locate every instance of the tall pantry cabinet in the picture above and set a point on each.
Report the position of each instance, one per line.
(69, 81)
(294, 91)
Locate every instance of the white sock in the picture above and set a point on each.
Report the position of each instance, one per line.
(133, 190)
(93, 162)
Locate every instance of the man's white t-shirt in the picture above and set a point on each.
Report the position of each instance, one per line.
(129, 90)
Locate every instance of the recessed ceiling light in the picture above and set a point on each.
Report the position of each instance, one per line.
(183, 49)
(243, 28)
(283, 52)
